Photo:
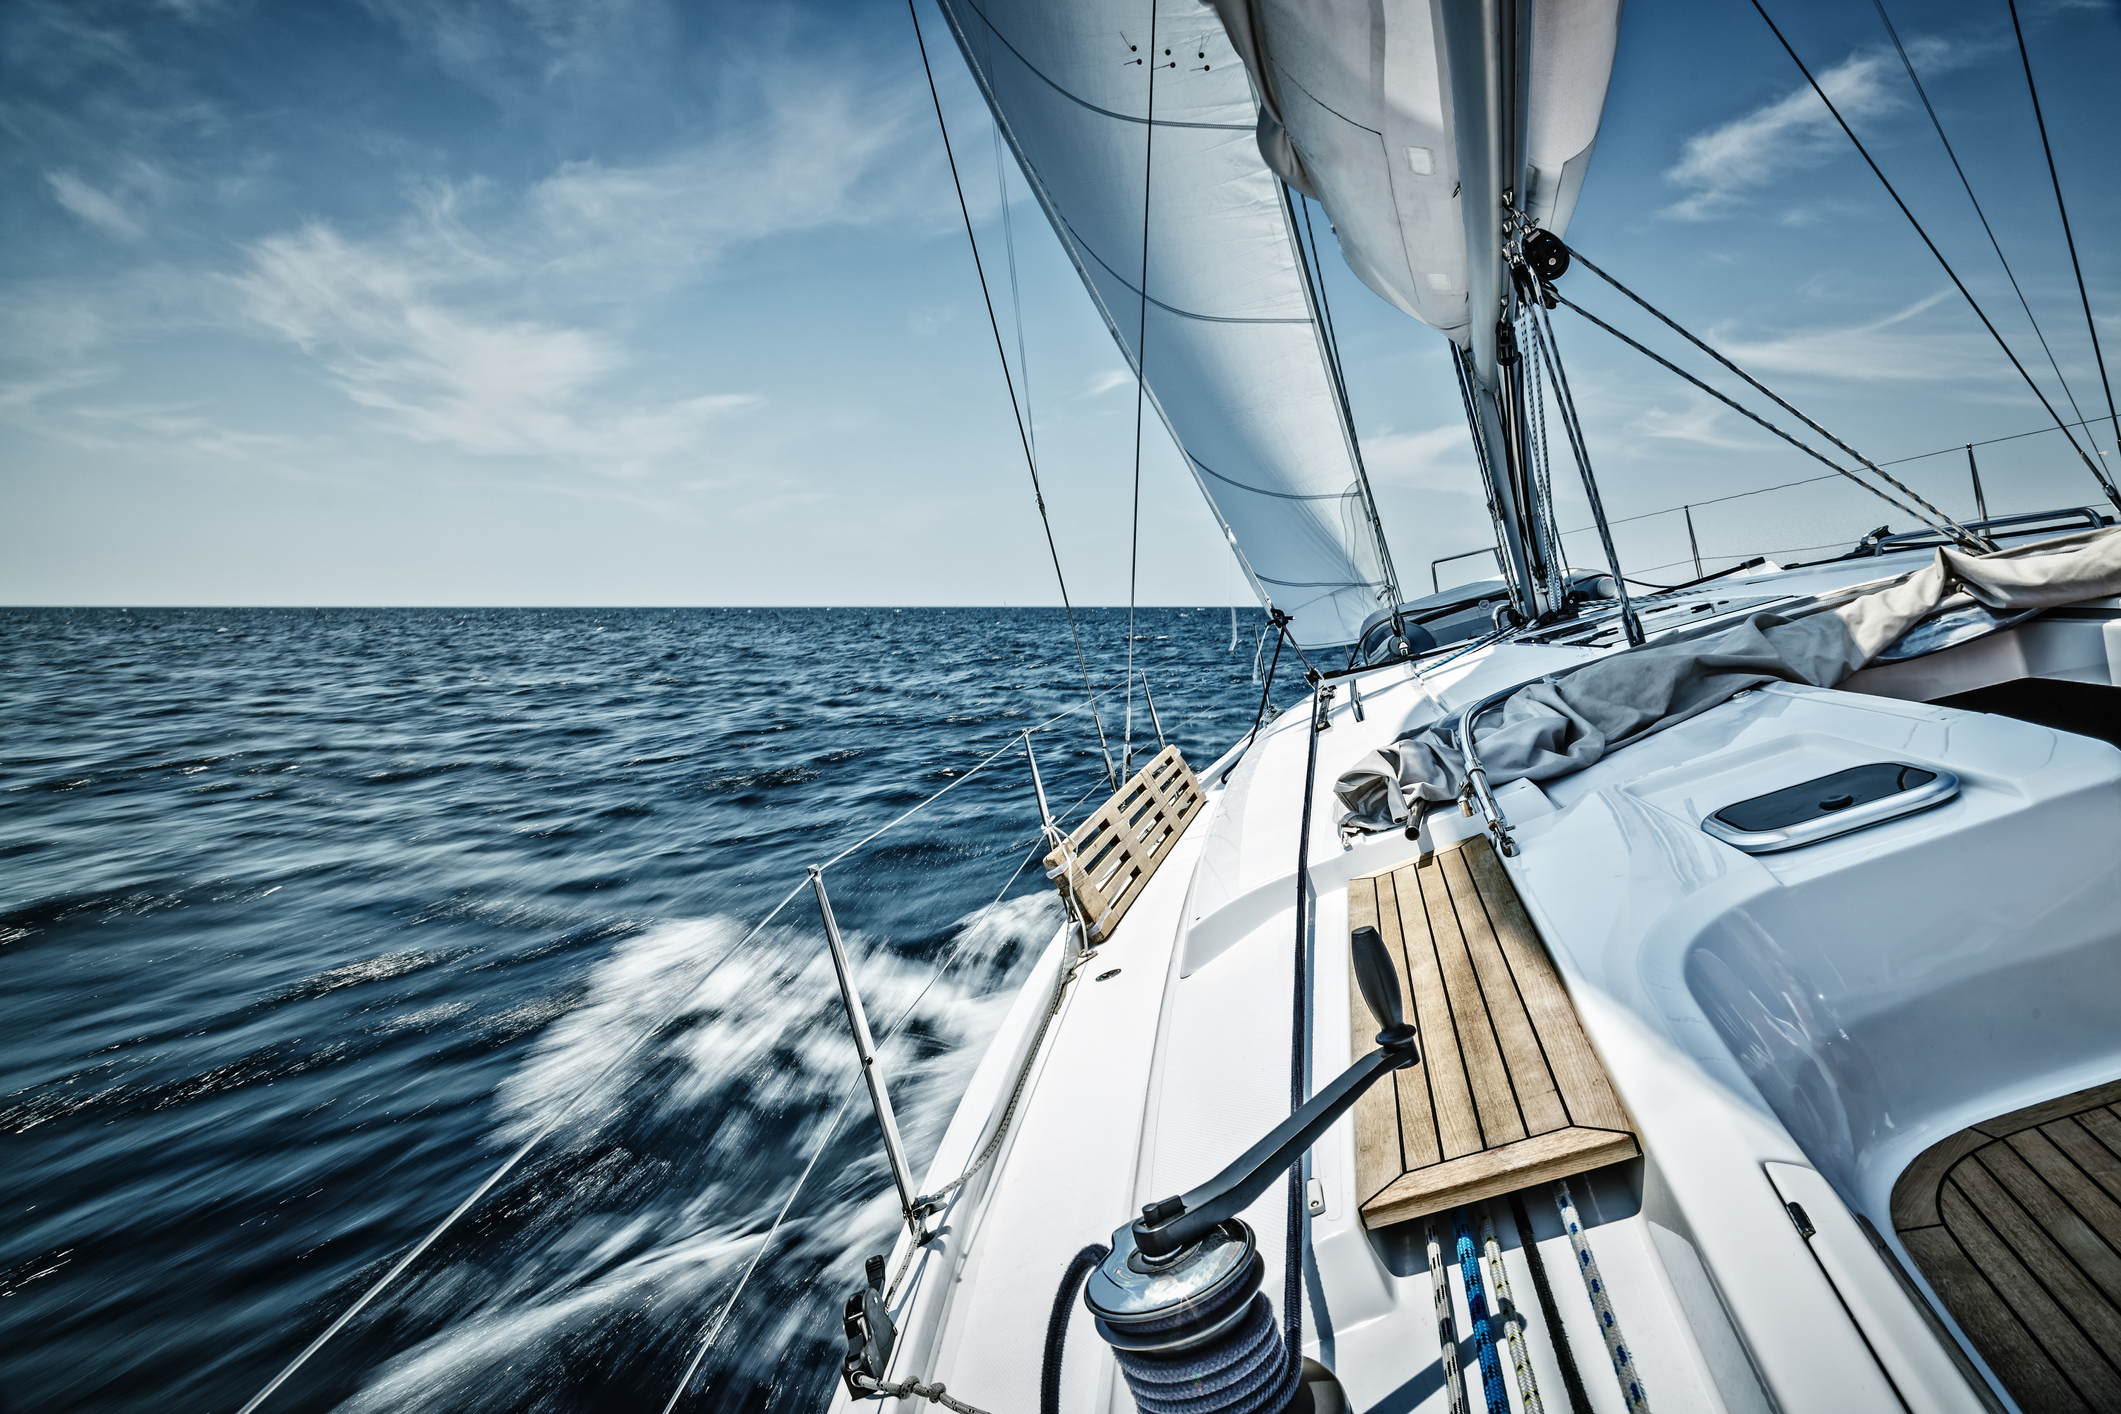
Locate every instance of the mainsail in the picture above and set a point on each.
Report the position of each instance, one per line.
(1235, 358)
(1423, 128)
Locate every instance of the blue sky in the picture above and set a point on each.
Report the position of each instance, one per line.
(641, 303)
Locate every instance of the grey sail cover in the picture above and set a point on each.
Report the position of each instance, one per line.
(1235, 361)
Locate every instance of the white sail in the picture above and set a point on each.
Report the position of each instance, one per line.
(1235, 360)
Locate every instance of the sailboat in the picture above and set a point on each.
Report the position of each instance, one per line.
(1588, 1000)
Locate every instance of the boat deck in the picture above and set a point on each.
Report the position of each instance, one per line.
(2017, 1225)
(1509, 1092)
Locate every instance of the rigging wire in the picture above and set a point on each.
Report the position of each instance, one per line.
(1037, 494)
(1016, 298)
(1756, 417)
(1994, 244)
(2089, 323)
(1815, 480)
(2090, 465)
(1315, 277)
(1141, 389)
(1957, 532)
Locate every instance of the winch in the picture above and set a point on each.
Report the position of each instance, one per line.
(1179, 1298)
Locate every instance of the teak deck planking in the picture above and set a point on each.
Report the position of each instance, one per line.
(2016, 1223)
(1110, 857)
(1508, 1092)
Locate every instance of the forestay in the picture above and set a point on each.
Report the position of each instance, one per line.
(1235, 359)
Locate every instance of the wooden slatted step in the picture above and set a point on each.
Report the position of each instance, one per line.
(1109, 859)
(2016, 1224)
(1509, 1092)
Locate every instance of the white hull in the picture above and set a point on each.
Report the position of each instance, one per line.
(1783, 1027)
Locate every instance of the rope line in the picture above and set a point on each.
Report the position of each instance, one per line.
(1616, 1347)
(2091, 325)
(1512, 1319)
(1024, 437)
(1016, 296)
(1557, 1333)
(1492, 1390)
(1446, 1325)
(1007, 746)
(1141, 391)
(1958, 532)
(1315, 277)
(1957, 283)
(1994, 244)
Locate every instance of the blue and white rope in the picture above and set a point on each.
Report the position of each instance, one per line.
(1492, 1389)
(1512, 1322)
(1616, 1345)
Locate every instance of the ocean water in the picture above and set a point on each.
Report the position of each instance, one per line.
(309, 917)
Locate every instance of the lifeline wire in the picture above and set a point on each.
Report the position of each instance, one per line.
(1022, 435)
(2090, 324)
(1864, 153)
(714, 1330)
(1957, 532)
(565, 1110)
(1141, 389)
(1981, 215)
(498, 1174)
(1010, 745)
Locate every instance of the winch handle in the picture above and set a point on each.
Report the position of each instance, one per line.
(1171, 1223)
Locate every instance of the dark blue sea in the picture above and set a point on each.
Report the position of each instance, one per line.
(309, 918)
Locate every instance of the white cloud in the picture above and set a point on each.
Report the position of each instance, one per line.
(1440, 459)
(1701, 423)
(1105, 382)
(97, 208)
(385, 326)
(1721, 166)
(1878, 351)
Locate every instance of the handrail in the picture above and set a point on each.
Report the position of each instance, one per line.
(1475, 791)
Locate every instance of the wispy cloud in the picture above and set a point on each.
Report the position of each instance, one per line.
(1440, 459)
(384, 325)
(1886, 349)
(1703, 422)
(1105, 382)
(1720, 167)
(99, 208)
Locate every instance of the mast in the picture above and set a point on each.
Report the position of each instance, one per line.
(1484, 53)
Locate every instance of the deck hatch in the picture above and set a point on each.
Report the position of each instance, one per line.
(1509, 1092)
(1831, 805)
